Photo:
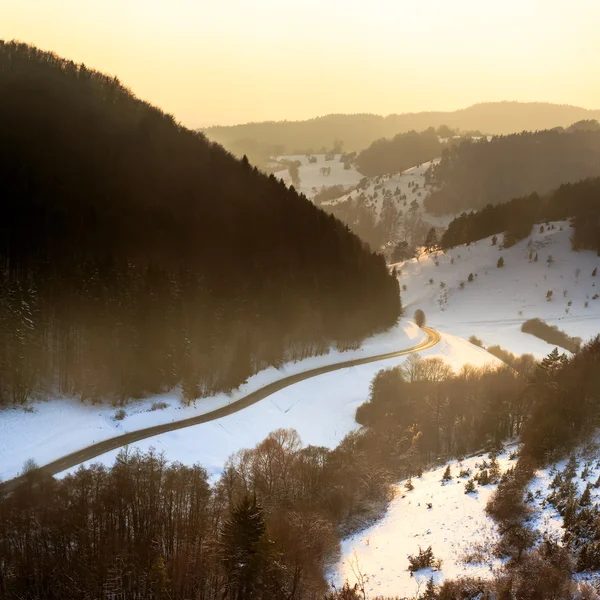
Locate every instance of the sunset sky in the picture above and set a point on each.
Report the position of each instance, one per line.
(231, 61)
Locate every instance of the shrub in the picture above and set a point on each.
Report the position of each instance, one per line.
(500, 263)
(470, 278)
(120, 414)
(476, 341)
(158, 406)
(419, 317)
(551, 334)
(447, 475)
(409, 485)
(470, 487)
(423, 560)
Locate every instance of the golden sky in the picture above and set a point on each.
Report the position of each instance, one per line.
(231, 61)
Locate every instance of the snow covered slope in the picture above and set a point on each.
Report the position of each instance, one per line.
(46, 431)
(498, 300)
(321, 409)
(312, 178)
(456, 527)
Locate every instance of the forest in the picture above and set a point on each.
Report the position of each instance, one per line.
(476, 173)
(270, 527)
(359, 131)
(395, 155)
(578, 201)
(135, 255)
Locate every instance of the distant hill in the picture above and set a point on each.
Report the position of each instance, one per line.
(136, 255)
(356, 132)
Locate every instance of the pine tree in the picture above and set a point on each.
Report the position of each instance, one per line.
(431, 240)
(586, 497)
(241, 549)
(447, 475)
(430, 590)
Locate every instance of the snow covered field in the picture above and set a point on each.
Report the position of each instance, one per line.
(312, 179)
(410, 183)
(456, 525)
(49, 430)
(321, 409)
(497, 302)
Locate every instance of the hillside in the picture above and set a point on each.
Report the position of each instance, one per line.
(388, 211)
(475, 173)
(456, 526)
(316, 172)
(359, 131)
(137, 255)
(495, 304)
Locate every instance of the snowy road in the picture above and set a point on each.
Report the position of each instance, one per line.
(95, 450)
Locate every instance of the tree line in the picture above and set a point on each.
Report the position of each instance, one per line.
(135, 255)
(270, 527)
(475, 173)
(578, 201)
(358, 131)
(399, 153)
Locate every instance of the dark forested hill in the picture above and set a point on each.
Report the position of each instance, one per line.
(579, 202)
(134, 254)
(359, 131)
(403, 151)
(476, 173)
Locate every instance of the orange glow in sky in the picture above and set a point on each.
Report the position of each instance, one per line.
(231, 61)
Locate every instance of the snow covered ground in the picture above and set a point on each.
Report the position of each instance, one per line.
(321, 409)
(409, 183)
(455, 526)
(312, 179)
(47, 430)
(494, 306)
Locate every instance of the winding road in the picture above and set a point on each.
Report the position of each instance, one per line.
(90, 452)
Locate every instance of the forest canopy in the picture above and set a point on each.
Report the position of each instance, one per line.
(395, 155)
(136, 255)
(579, 202)
(476, 173)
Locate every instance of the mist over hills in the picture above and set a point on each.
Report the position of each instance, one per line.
(358, 131)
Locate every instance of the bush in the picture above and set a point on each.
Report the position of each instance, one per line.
(120, 414)
(551, 334)
(447, 475)
(470, 487)
(476, 341)
(500, 263)
(419, 317)
(158, 406)
(423, 560)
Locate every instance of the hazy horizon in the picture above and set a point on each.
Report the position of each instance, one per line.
(233, 63)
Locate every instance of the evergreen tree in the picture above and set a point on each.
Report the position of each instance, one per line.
(500, 263)
(431, 240)
(242, 550)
